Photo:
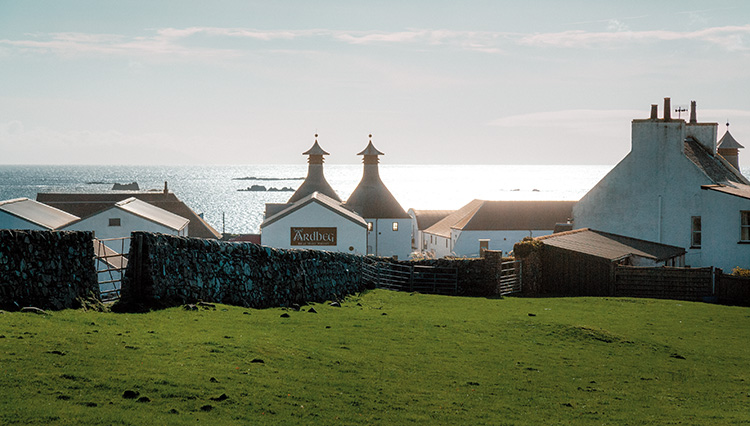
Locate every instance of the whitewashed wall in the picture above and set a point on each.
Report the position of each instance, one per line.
(9, 221)
(99, 224)
(348, 233)
(384, 241)
(466, 243)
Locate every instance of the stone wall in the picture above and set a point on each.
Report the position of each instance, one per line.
(46, 269)
(165, 270)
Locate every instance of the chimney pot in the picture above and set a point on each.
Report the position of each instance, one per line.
(693, 115)
(667, 109)
(654, 111)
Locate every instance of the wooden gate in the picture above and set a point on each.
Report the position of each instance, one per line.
(420, 278)
(509, 278)
(110, 267)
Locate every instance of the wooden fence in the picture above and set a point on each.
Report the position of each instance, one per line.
(424, 279)
(695, 284)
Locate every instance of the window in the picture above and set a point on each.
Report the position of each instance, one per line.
(114, 221)
(745, 226)
(695, 232)
(369, 226)
(395, 226)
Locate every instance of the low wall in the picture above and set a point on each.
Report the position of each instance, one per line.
(165, 270)
(46, 269)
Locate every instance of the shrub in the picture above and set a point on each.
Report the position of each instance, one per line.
(526, 246)
(741, 272)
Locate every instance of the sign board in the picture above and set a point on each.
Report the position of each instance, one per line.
(302, 236)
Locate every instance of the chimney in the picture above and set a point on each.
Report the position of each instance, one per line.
(165, 187)
(667, 109)
(654, 111)
(693, 115)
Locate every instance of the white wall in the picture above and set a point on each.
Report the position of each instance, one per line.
(384, 241)
(437, 246)
(466, 243)
(348, 233)
(99, 223)
(9, 221)
(720, 232)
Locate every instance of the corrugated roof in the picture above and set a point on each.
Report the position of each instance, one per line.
(714, 166)
(38, 213)
(153, 213)
(443, 227)
(86, 204)
(427, 218)
(321, 199)
(728, 142)
(609, 246)
(516, 215)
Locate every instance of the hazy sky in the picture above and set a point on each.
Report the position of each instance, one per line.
(460, 82)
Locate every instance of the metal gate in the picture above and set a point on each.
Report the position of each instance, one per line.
(509, 278)
(110, 266)
(420, 278)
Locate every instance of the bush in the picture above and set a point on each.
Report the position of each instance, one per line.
(526, 246)
(741, 272)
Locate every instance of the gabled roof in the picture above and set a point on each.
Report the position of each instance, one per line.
(609, 246)
(427, 218)
(714, 166)
(728, 142)
(516, 215)
(153, 213)
(38, 213)
(443, 227)
(86, 204)
(321, 199)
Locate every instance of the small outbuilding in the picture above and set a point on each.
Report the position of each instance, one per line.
(129, 215)
(23, 213)
(582, 262)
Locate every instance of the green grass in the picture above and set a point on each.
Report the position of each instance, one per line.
(384, 358)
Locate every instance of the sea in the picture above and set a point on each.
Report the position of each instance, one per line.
(215, 190)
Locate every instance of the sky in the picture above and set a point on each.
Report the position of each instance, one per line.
(434, 82)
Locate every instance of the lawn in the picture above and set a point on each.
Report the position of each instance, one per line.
(383, 358)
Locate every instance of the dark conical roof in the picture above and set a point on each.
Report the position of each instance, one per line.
(315, 180)
(728, 142)
(371, 199)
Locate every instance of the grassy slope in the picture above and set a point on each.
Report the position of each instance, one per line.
(396, 359)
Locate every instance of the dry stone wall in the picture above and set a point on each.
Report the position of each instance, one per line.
(46, 269)
(166, 270)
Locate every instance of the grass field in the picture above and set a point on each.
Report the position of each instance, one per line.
(383, 358)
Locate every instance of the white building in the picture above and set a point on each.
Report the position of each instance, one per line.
(674, 188)
(127, 216)
(493, 225)
(318, 222)
(388, 225)
(22, 213)
(420, 221)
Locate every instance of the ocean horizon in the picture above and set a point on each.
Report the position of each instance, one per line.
(214, 190)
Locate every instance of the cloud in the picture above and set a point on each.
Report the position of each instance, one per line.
(731, 38)
(176, 42)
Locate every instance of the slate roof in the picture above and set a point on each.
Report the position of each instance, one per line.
(516, 215)
(609, 246)
(427, 218)
(728, 142)
(38, 213)
(715, 167)
(443, 227)
(315, 180)
(153, 213)
(371, 199)
(321, 199)
(86, 204)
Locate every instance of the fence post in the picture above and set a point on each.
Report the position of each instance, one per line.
(411, 277)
